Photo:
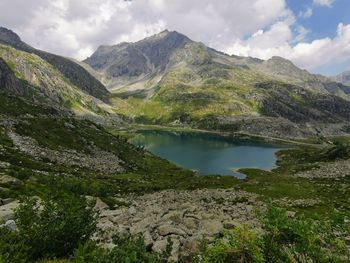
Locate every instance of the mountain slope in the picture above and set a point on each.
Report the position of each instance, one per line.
(75, 73)
(168, 78)
(141, 65)
(343, 78)
(29, 76)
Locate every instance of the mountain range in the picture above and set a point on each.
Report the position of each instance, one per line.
(169, 79)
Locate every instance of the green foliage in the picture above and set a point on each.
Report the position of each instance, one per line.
(126, 249)
(286, 239)
(283, 239)
(12, 247)
(239, 245)
(49, 228)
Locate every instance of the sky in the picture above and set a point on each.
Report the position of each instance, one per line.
(313, 34)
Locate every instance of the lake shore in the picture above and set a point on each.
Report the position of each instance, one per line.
(238, 135)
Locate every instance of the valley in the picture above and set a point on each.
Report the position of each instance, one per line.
(70, 146)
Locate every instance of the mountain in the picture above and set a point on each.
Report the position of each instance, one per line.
(47, 79)
(343, 78)
(75, 73)
(133, 66)
(168, 78)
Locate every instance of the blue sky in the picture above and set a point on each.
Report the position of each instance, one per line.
(313, 34)
(323, 23)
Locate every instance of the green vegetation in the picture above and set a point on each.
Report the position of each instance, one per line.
(281, 183)
(283, 239)
(56, 221)
(44, 82)
(143, 172)
(63, 227)
(51, 227)
(126, 249)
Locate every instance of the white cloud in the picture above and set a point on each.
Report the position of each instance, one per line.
(302, 32)
(327, 3)
(73, 27)
(304, 54)
(306, 13)
(76, 28)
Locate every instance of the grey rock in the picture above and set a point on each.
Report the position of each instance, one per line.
(11, 224)
(159, 246)
(7, 210)
(9, 180)
(167, 229)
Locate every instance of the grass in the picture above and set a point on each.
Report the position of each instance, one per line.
(145, 172)
(333, 194)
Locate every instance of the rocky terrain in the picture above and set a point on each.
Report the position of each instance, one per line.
(334, 170)
(98, 160)
(186, 217)
(170, 79)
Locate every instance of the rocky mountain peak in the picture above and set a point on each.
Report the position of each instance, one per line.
(7, 36)
(139, 58)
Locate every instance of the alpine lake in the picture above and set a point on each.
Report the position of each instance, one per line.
(208, 154)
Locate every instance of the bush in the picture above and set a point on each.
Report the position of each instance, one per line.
(52, 229)
(127, 249)
(296, 240)
(239, 245)
(284, 239)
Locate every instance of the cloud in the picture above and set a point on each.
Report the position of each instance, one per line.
(258, 28)
(75, 27)
(302, 32)
(327, 3)
(277, 41)
(306, 13)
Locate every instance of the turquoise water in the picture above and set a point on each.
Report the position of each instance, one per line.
(206, 153)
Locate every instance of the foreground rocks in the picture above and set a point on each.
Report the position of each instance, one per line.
(185, 217)
(7, 210)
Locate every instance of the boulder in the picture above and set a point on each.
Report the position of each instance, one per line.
(167, 229)
(11, 225)
(291, 214)
(142, 225)
(211, 227)
(190, 223)
(191, 246)
(147, 238)
(132, 210)
(100, 205)
(159, 245)
(7, 210)
(9, 180)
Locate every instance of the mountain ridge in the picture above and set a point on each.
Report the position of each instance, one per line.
(123, 64)
(71, 70)
(167, 78)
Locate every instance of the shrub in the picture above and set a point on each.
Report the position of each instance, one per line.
(239, 245)
(52, 229)
(126, 249)
(296, 239)
(283, 239)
